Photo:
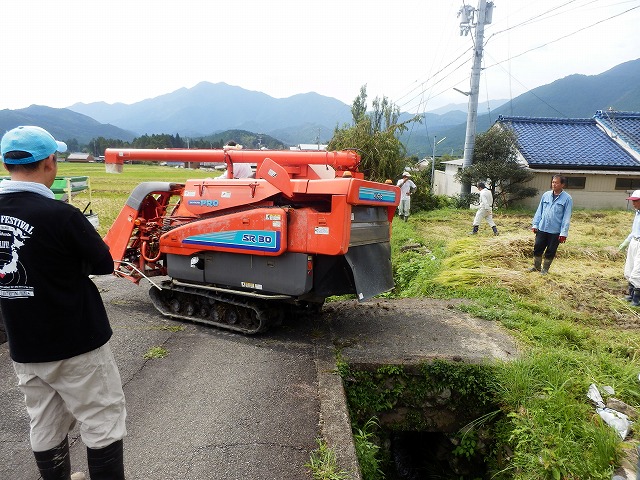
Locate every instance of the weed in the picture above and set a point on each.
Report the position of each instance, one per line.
(172, 328)
(323, 464)
(156, 352)
(467, 446)
(367, 450)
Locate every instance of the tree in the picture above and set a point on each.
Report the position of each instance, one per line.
(495, 161)
(72, 145)
(374, 136)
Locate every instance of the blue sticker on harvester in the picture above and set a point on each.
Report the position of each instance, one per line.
(261, 240)
(377, 195)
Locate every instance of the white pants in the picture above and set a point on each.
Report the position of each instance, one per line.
(632, 264)
(85, 388)
(486, 214)
(404, 207)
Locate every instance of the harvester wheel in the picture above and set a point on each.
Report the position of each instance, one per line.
(231, 316)
(174, 305)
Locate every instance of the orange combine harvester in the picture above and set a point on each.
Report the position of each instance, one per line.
(240, 253)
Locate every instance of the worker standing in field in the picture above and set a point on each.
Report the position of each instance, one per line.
(56, 324)
(632, 263)
(407, 187)
(485, 211)
(551, 224)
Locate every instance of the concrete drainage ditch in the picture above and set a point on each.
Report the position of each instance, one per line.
(432, 420)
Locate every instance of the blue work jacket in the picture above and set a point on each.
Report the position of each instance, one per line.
(554, 215)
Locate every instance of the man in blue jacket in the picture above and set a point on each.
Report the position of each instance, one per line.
(551, 224)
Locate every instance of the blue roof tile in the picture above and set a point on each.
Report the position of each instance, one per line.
(626, 125)
(568, 144)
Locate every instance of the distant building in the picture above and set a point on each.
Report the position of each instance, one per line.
(309, 146)
(80, 157)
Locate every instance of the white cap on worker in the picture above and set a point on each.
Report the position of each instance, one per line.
(406, 174)
(634, 196)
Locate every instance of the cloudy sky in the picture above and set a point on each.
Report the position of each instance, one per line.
(57, 53)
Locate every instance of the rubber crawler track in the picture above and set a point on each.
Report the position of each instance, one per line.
(223, 310)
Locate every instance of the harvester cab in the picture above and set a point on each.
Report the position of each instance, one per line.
(239, 253)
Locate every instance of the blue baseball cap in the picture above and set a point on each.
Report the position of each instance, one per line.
(34, 140)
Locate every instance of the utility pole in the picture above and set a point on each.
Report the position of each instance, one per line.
(468, 16)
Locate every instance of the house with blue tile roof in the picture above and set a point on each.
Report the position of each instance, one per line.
(600, 156)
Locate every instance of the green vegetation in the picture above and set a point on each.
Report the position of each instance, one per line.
(573, 329)
(323, 464)
(495, 161)
(164, 140)
(367, 451)
(156, 352)
(374, 134)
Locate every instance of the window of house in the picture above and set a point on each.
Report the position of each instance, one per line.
(625, 183)
(575, 182)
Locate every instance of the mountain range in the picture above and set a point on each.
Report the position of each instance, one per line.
(208, 109)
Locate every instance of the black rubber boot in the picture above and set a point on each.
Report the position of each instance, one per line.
(537, 264)
(629, 296)
(545, 266)
(495, 230)
(106, 463)
(635, 300)
(55, 464)
(475, 230)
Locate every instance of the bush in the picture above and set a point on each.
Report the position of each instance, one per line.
(463, 200)
(423, 199)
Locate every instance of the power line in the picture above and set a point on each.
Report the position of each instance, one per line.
(538, 17)
(530, 91)
(564, 36)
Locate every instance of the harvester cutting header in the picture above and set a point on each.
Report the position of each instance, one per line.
(240, 252)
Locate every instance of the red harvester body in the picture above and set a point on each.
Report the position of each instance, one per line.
(240, 252)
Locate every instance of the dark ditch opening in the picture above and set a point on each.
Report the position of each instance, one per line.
(433, 420)
(422, 455)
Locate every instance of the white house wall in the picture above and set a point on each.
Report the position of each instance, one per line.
(599, 189)
(598, 192)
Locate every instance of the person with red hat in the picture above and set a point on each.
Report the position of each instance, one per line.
(632, 263)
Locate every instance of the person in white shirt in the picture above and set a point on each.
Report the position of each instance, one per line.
(485, 211)
(632, 263)
(240, 170)
(407, 187)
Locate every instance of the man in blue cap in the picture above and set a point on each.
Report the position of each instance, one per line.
(56, 324)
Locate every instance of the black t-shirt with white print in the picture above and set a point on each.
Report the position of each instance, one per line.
(51, 308)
